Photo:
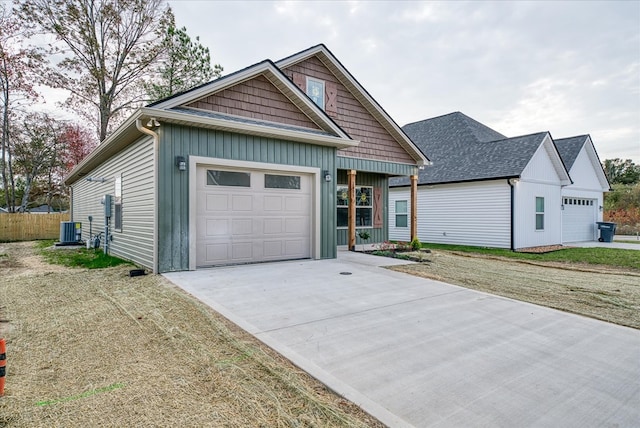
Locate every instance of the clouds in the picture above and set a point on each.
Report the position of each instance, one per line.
(520, 67)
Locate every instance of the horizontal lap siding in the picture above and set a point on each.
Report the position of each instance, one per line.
(135, 165)
(376, 142)
(257, 99)
(173, 214)
(476, 214)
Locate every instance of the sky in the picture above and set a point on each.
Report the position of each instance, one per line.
(570, 68)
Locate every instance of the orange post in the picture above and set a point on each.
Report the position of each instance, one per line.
(3, 363)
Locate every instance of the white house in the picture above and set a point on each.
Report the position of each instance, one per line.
(485, 189)
(582, 201)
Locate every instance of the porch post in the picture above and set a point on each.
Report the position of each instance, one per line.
(352, 209)
(414, 207)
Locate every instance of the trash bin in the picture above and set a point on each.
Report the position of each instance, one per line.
(607, 230)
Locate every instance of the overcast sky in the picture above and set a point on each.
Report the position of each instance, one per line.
(570, 68)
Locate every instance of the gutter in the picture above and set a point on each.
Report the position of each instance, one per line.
(156, 143)
(512, 183)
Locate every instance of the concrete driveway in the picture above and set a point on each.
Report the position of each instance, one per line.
(416, 352)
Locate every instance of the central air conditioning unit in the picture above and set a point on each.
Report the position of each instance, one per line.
(70, 232)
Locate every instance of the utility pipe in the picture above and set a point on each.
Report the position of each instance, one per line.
(156, 143)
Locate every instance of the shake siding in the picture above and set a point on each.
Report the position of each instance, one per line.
(373, 180)
(135, 164)
(376, 142)
(257, 98)
(173, 211)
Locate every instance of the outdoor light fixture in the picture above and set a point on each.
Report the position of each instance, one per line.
(327, 176)
(153, 123)
(600, 207)
(181, 163)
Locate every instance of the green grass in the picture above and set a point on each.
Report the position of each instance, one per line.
(78, 257)
(600, 256)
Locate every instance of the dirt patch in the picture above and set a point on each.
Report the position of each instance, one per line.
(96, 347)
(607, 294)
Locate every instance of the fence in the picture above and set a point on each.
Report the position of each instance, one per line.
(28, 227)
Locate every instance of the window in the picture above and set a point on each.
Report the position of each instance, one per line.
(281, 181)
(539, 213)
(315, 91)
(401, 214)
(228, 178)
(364, 206)
(117, 204)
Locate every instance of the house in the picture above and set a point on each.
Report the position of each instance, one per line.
(485, 189)
(259, 165)
(582, 201)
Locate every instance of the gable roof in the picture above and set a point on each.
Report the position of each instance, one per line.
(569, 149)
(462, 149)
(360, 93)
(269, 70)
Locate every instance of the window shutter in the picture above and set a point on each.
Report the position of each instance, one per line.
(377, 207)
(331, 105)
(300, 81)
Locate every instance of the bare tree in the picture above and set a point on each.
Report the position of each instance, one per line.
(108, 46)
(17, 65)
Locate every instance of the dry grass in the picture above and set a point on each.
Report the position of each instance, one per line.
(98, 348)
(605, 293)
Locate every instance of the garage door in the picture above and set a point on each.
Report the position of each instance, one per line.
(578, 219)
(249, 216)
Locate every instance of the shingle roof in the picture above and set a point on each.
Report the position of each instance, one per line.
(569, 148)
(463, 149)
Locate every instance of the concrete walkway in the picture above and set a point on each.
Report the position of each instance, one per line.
(614, 244)
(416, 352)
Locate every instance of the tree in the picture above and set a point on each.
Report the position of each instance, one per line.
(184, 64)
(36, 152)
(17, 80)
(108, 46)
(77, 142)
(621, 172)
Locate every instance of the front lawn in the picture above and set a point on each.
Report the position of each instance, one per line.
(598, 256)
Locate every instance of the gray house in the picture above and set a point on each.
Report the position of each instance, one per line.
(276, 161)
(485, 189)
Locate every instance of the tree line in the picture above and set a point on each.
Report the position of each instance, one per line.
(110, 56)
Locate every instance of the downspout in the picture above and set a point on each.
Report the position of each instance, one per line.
(512, 186)
(156, 143)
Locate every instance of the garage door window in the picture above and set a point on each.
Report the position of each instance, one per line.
(228, 178)
(539, 213)
(281, 181)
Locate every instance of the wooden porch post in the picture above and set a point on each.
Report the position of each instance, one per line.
(414, 207)
(352, 209)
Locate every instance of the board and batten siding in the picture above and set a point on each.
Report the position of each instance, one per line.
(173, 203)
(477, 214)
(135, 165)
(377, 234)
(525, 233)
(585, 182)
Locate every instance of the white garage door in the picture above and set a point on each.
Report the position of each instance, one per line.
(578, 219)
(248, 216)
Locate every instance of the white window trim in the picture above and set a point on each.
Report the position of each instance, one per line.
(117, 200)
(539, 213)
(405, 213)
(322, 83)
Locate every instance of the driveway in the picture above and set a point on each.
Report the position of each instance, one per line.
(417, 352)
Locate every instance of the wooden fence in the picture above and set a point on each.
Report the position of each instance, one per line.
(29, 227)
